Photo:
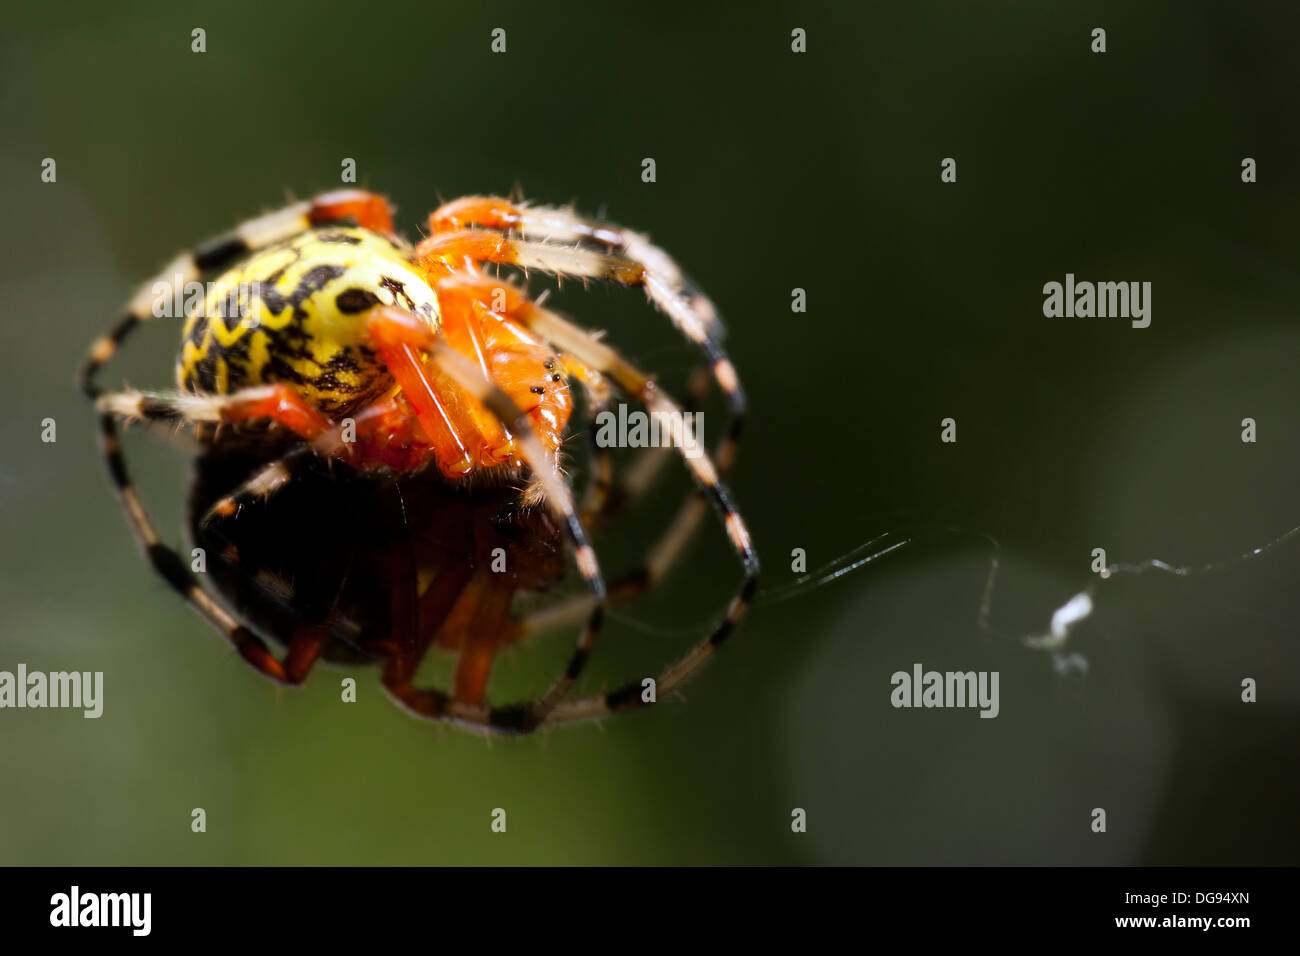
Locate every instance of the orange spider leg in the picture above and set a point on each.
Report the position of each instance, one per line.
(434, 605)
(487, 211)
(370, 211)
(492, 212)
(442, 255)
(475, 628)
(447, 252)
(278, 403)
(304, 648)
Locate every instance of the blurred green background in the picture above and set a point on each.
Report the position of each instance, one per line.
(775, 171)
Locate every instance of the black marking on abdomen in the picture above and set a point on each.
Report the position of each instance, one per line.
(398, 291)
(312, 281)
(338, 237)
(352, 301)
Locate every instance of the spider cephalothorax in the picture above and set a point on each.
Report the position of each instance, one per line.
(329, 337)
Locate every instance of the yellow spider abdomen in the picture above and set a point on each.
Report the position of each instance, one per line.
(295, 313)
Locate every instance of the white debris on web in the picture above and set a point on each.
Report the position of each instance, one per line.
(1063, 620)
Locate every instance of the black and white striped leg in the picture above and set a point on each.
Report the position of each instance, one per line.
(187, 267)
(172, 568)
(178, 407)
(667, 547)
(572, 339)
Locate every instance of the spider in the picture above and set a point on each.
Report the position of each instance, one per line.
(329, 340)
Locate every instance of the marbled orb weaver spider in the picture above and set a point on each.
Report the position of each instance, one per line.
(325, 320)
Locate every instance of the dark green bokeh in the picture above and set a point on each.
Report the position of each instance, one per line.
(775, 171)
